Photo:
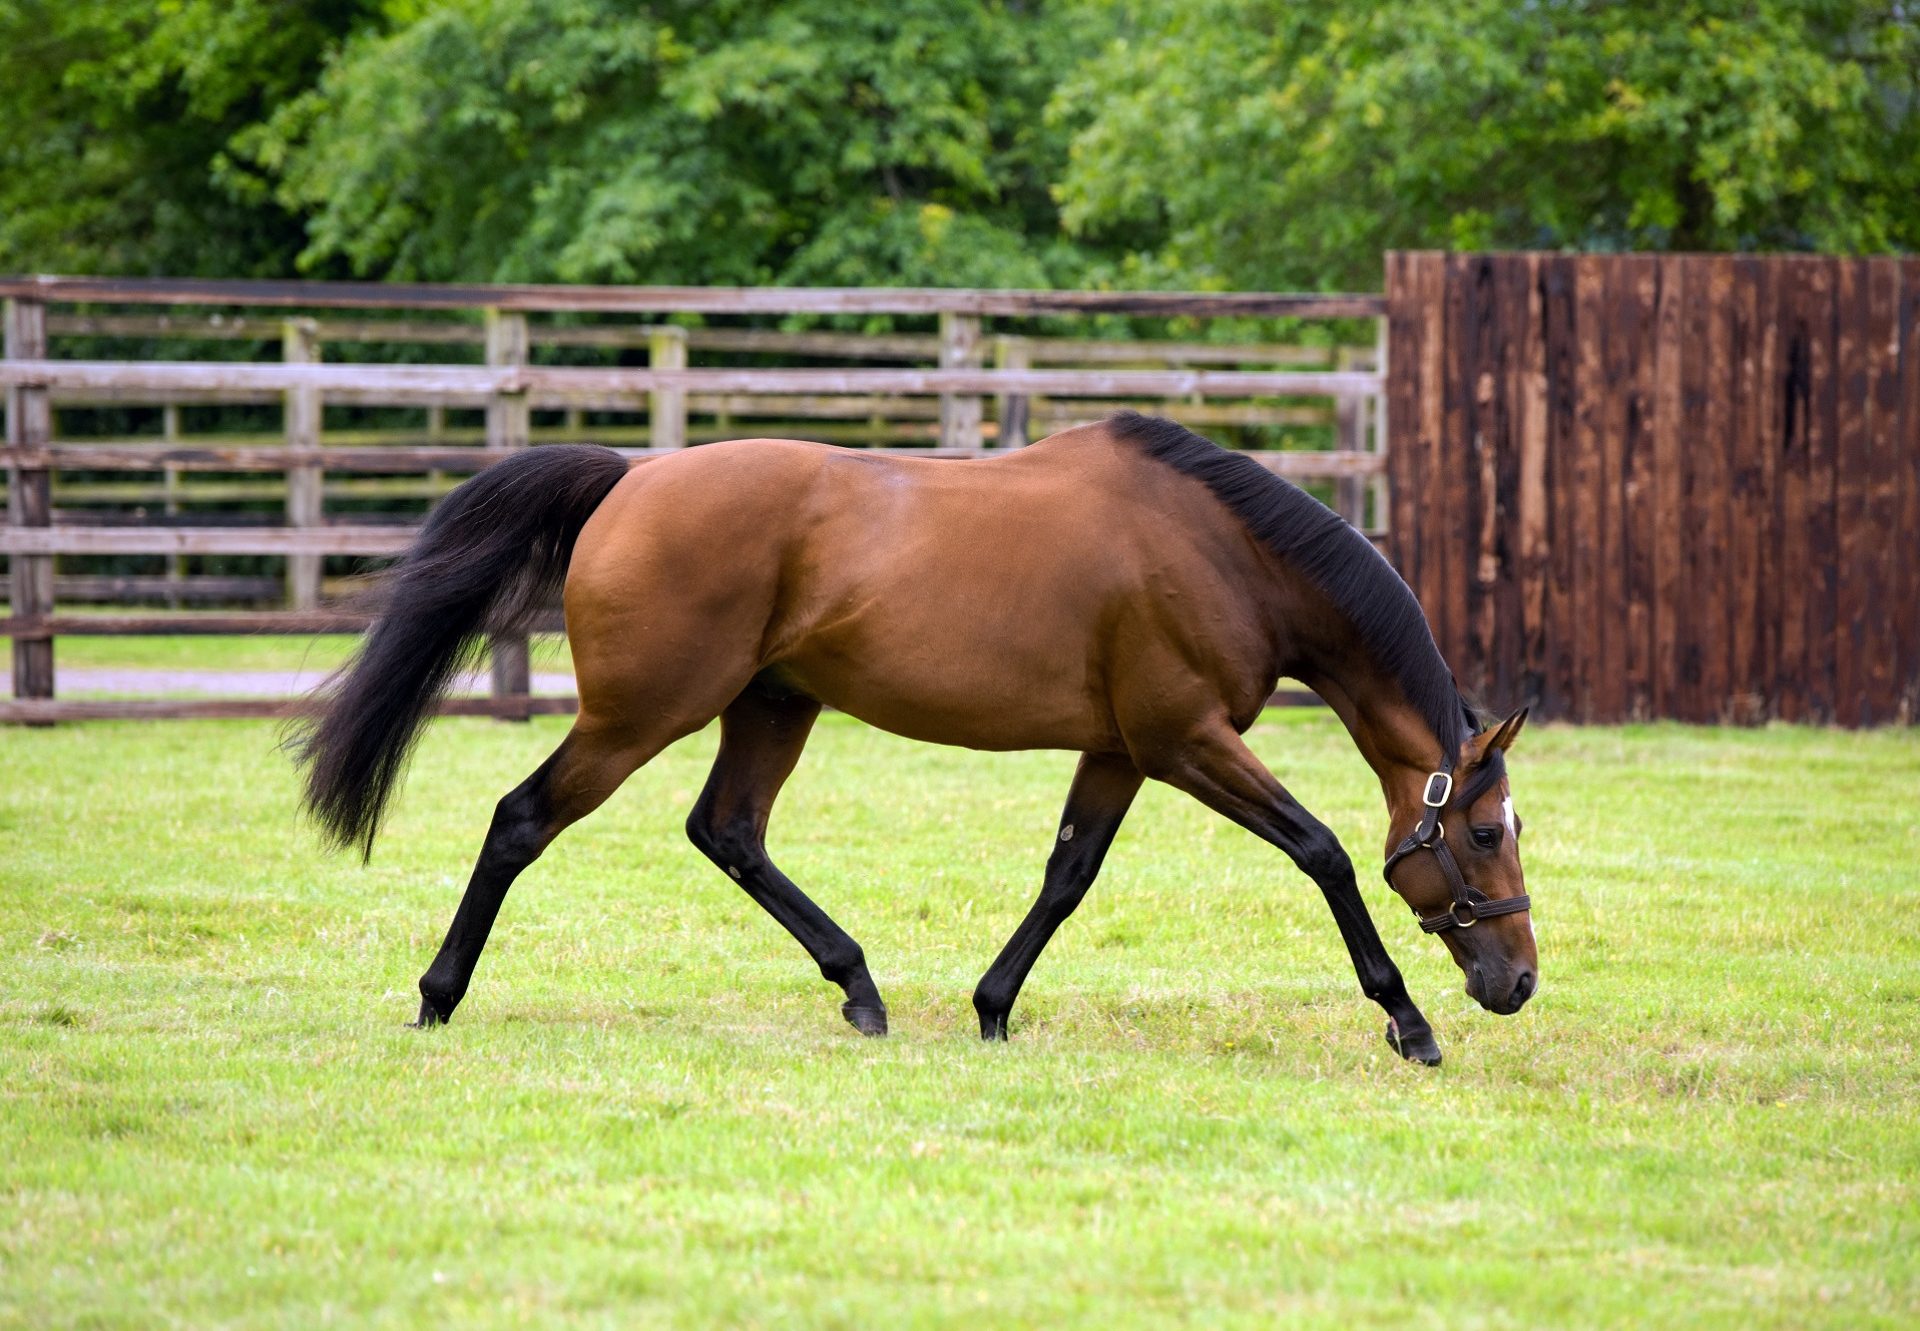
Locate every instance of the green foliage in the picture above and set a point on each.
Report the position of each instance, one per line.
(1277, 144)
(586, 140)
(114, 122)
(1242, 143)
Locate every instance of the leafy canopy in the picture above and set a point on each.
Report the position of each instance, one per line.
(1277, 144)
(1242, 143)
(738, 141)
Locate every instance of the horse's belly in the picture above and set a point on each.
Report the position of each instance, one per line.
(969, 699)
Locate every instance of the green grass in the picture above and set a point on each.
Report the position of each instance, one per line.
(648, 1111)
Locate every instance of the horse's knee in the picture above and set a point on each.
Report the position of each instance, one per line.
(1322, 858)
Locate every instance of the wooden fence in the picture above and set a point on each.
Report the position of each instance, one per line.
(1663, 486)
(1031, 380)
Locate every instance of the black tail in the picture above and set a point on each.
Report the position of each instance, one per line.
(491, 553)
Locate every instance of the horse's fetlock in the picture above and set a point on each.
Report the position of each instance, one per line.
(442, 995)
(1383, 983)
(841, 965)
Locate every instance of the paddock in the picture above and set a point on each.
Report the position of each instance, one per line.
(1676, 521)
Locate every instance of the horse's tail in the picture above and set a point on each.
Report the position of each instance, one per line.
(492, 552)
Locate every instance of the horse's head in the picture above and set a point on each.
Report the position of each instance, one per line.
(1458, 866)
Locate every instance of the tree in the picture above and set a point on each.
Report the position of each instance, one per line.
(687, 141)
(1280, 145)
(114, 120)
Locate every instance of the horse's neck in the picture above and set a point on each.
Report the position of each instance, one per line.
(1390, 733)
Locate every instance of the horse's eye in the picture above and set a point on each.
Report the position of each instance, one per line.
(1487, 838)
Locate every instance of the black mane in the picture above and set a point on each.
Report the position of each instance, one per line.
(1333, 556)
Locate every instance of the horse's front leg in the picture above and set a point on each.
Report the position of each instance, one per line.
(1103, 789)
(1218, 769)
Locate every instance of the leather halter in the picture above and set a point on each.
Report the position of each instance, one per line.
(1469, 905)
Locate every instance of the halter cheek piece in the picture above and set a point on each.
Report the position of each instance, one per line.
(1469, 905)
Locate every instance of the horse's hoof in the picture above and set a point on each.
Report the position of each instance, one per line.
(1417, 1047)
(430, 1016)
(866, 1020)
(993, 1027)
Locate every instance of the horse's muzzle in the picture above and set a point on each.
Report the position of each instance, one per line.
(1506, 998)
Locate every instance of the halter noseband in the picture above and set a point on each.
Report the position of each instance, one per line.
(1469, 905)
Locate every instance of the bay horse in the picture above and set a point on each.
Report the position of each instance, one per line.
(1127, 591)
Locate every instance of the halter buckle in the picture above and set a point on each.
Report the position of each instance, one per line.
(1472, 919)
(1439, 801)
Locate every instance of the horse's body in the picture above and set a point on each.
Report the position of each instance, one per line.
(1125, 591)
(1011, 603)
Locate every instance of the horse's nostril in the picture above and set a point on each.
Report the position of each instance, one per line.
(1523, 988)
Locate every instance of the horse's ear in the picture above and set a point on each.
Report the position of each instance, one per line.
(1507, 731)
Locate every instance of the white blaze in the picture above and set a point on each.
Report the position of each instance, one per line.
(1506, 815)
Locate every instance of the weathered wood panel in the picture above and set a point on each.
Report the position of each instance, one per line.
(1685, 486)
(1552, 672)
(1667, 472)
(1907, 466)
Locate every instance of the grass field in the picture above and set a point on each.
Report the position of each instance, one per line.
(648, 1111)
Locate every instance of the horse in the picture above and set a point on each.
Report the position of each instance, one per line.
(1146, 591)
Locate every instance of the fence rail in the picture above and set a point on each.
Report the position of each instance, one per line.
(938, 409)
(527, 298)
(555, 387)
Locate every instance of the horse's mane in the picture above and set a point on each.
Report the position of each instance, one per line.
(1334, 557)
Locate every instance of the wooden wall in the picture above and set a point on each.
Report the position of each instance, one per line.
(1677, 486)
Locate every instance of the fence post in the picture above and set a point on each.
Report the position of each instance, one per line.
(300, 345)
(1382, 504)
(176, 564)
(30, 498)
(436, 433)
(667, 407)
(508, 427)
(959, 350)
(1012, 353)
(1349, 436)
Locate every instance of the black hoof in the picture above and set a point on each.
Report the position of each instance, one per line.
(1417, 1046)
(430, 1016)
(993, 1027)
(866, 1020)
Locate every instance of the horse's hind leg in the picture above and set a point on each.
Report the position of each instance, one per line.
(760, 741)
(589, 765)
(1103, 790)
